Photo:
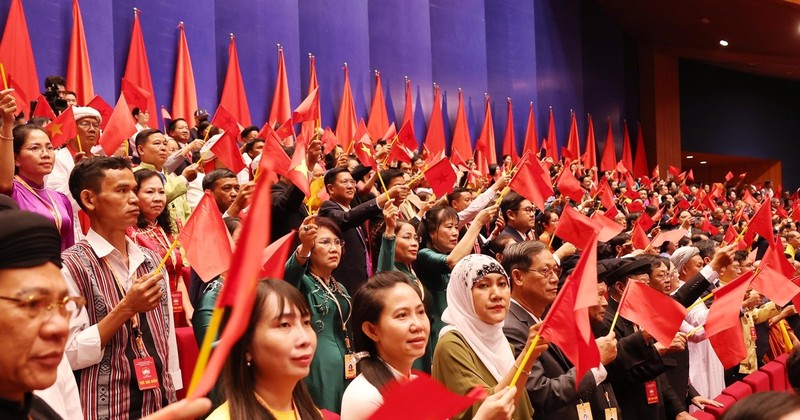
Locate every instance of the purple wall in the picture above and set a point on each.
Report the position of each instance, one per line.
(561, 53)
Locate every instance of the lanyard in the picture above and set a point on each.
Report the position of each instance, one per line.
(339, 307)
(159, 234)
(51, 205)
(266, 406)
(137, 332)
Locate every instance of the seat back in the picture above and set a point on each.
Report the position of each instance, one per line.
(187, 355)
(776, 372)
(758, 381)
(726, 400)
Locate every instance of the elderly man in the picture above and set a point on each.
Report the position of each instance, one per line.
(551, 385)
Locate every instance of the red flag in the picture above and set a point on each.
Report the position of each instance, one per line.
(708, 227)
(275, 255)
(184, 92)
(137, 70)
(652, 310)
(485, 147)
(509, 140)
(640, 159)
(656, 173)
(408, 113)
(772, 280)
(306, 111)
(63, 128)
(673, 170)
(298, 168)
(605, 194)
(364, 151)
(399, 152)
(590, 155)
(609, 160)
(273, 157)
(165, 114)
(723, 329)
(567, 321)
(234, 94)
(346, 122)
(576, 228)
(461, 147)
(573, 144)
(103, 108)
(568, 185)
(627, 155)
(531, 145)
(241, 282)
(441, 177)
(728, 176)
(43, 109)
(390, 133)
(329, 140)
(16, 53)
(406, 137)
(674, 236)
(635, 207)
(434, 139)
(135, 96)
(761, 223)
(690, 175)
(312, 83)
(639, 237)
(552, 140)
(378, 118)
(645, 221)
(281, 109)
(748, 198)
(532, 182)
(608, 227)
(205, 239)
(226, 149)
(20, 96)
(431, 400)
(79, 71)
(120, 128)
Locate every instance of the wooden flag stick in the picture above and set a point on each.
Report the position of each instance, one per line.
(167, 255)
(703, 299)
(205, 139)
(80, 147)
(3, 73)
(692, 332)
(525, 359)
(205, 349)
(786, 339)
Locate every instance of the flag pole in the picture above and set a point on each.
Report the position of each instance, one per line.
(525, 360)
(621, 301)
(167, 255)
(80, 147)
(786, 339)
(3, 73)
(702, 300)
(205, 139)
(205, 349)
(692, 332)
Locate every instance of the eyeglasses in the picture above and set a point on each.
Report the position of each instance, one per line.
(666, 274)
(38, 149)
(529, 209)
(87, 124)
(37, 306)
(328, 243)
(545, 272)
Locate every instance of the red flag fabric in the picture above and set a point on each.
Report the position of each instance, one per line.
(674, 235)
(21, 97)
(723, 329)
(532, 182)
(434, 139)
(432, 400)
(137, 70)
(654, 311)
(273, 157)
(364, 151)
(728, 176)
(441, 177)
(568, 185)
(205, 239)
(656, 173)
(576, 228)
(16, 53)
(608, 227)
(241, 282)
(485, 147)
(645, 221)
(226, 149)
(408, 112)
(281, 109)
(605, 194)
(135, 96)
(298, 168)
(307, 110)
(103, 108)
(639, 237)
(635, 207)
(312, 82)
(406, 137)
(531, 145)
(43, 109)
(399, 152)
(552, 140)
(346, 122)
(627, 155)
(234, 94)
(184, 91)
(761, 223)
(771, 280)
(673, 170)
(225, 120)
(461, 147)
(390, 133)
(567, 322)
(509, 140)
(275, 255)
(590, 155)
(640, 159)
(609, 160)
(62, 129)
(79, 71)
(573, 144)
(378, 117)
(165, 114)
(120, 128)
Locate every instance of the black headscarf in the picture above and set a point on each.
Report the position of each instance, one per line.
(27, 240)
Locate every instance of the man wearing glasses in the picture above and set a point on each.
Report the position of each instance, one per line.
(551, 385)
(519, 216)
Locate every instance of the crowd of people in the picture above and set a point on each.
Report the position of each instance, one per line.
(385, 282)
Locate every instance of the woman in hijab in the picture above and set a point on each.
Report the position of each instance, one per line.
(472, 350)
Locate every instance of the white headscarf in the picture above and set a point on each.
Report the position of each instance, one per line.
(487, 341)
(682, 255)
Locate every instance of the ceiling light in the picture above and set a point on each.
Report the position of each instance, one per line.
(702, 162)
(690, 157)
(723, 42)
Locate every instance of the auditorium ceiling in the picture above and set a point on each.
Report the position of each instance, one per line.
(763, 36)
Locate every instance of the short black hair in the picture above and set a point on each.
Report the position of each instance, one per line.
(215, 175)
(331, 175)
(387, 175)
(456, 194)
(249, 130)
(144, 135)
(88, 174)
(54, 80)
(520, 255)
(248, 147)
(135, 111)
(173, 123)
(511, 201)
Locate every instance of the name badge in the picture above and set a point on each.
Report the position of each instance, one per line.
(350, 371)
(584, 411)
(146, 374)
(651, 389)
(611, 413)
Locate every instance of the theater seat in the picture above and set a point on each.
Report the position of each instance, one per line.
(782, 358)
(777, 375)
(738, 390)
(758, 381)
(702, 415)
(187, 354)
(726, 400)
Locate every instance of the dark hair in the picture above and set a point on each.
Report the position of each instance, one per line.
(143, 136)
(325, 222)
(763, 406)
(369, 302)
(539, 223)
(238, 379)
(655, 261)
(215, 175)
(20, 134)
(248, 147)
(387, 175)
(793, 368)
(619, 240)
(330, 176)
(707, 248)
(231, 223)
(415, 158)
(88, 174)
(511, 201)
(162, 219)
(173, 123)
(248, 130)
(499, 244)
(135, 111)
(430, 224)
(54, 80)
(520, 255)
(456, 194)
(39, 121)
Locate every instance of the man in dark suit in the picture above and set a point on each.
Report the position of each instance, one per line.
(288, 210)
(551, 384)
(518, 213)
(356, 265)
